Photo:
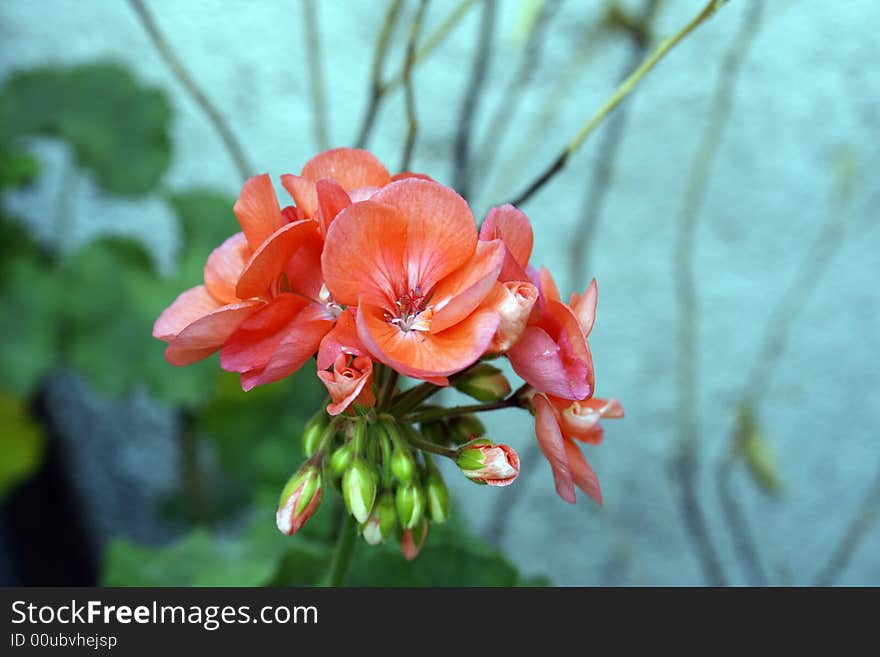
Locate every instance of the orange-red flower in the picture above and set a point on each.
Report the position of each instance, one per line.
(558, 423)
(349, 383)
(241, 278)
(409, 259)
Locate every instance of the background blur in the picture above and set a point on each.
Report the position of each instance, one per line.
(728, 210)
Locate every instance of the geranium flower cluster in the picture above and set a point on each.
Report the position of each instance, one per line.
(376, 276)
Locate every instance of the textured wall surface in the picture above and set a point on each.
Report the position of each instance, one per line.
(806, 98)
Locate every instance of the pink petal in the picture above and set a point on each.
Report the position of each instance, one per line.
(332, 199)
(552, 444)
(342, 339)
(189, 306)
(581, 472)
(584, 307)
(540, 361)
(512, 226)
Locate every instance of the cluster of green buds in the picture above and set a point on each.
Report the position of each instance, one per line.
(383, 463)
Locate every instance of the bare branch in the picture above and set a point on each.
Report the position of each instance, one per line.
(470, 104)
(622, 91)
(412, 121)
(236, 152)
(316, 74)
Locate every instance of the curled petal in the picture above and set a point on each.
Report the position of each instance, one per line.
(584, 307)
(348, 384)
(257, 210)
(552, 444)
(342, 339)
(513, 301)
(267, 263)
(548, 285)
(189, 306)
(224, 267)
(457, 295)
(332, 199)
(303, 268)
(512, 226)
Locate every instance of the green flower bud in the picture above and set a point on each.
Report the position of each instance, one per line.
(299, 499)
(484, 462)
(464, 428)
(313, 431)
(484, 383)
(437, 432)
(412, 540)
(341, 459)
(359, 489)
(410, 502)
(382, 521)
(438, 498)
(403, 466)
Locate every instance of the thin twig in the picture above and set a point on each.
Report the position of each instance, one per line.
(236, 152)
(432, 41)
(866, 515)
(470, 104)
(409, 94)
(505, 109)
(316, 74)
(600, 179)
(686, 461)
(376, 89)
(622, 91)
(737, 523)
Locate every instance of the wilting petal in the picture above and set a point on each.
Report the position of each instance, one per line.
(257, 210)
(457, 295)
(189, 306)
(422, 355)
(332, 199)
(441, 234)
(363, 254)
(581, 473)
(584, 307)
(342, 339)
(513, 301)
(552, 444)
(224, 267)
(511, 226)
(267, 263)
(206, 335)
(348, 384)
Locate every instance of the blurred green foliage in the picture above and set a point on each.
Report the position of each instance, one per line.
(92, 310)
(118, 129)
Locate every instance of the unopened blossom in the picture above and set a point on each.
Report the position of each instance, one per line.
(299, 499)
(485, 462)
(349, 383)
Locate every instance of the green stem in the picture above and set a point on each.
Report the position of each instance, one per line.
(387, 392)
(514, 400)
(408, 400)
(343, 553)
(426, 446)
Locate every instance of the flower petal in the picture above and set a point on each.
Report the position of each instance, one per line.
(511, 226)
(548, 285)
(350, 167)
(584, 307)
(303, 268)
(267, 262)
(257, 210)
(332, 199)
(207, 334)
(224, 267)
(189, 306)
(304, 193)
(363, 254)
(425, 355)
(581, 472)
(552, 445)
(441, 233)
(457, 295)
(342, 339)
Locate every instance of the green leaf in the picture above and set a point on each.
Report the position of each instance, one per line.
(22, 443)
(17, 168)
(117, 127)
(30, 296)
